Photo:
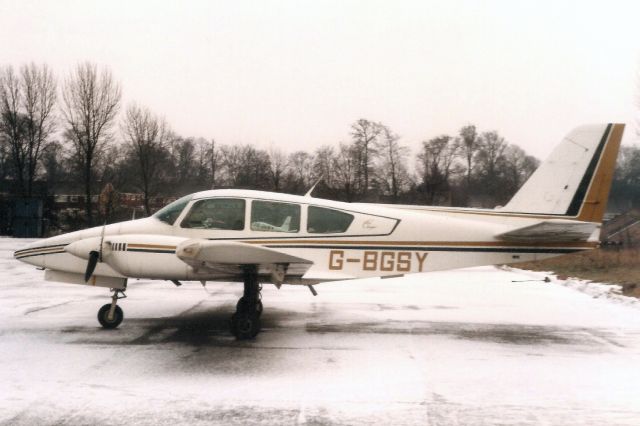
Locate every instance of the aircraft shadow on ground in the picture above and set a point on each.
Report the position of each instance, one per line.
(207, 327)
(210, 328)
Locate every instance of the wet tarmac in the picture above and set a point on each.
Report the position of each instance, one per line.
(458, 348)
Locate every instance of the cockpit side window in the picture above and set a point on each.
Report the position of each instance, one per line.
(170, 212)
(216, 213)
(327, 221)
(270, 216)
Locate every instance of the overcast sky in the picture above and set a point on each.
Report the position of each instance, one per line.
(296, 74)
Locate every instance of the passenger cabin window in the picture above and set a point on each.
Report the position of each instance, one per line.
(216, 213)
(170, 212)
(327, 221)
(268, 216)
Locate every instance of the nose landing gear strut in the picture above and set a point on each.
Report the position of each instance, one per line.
(245, 322)
(111, 315)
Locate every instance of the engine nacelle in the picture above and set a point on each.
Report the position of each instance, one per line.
(136, 255)
(82, 248)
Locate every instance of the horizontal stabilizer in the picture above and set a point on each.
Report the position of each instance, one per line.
(551, 231)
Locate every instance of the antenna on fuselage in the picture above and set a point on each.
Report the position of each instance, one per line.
(308, 194)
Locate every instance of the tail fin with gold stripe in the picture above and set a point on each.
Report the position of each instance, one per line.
(574, 182)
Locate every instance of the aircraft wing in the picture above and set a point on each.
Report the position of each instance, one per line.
(551, 231)
(229, 257)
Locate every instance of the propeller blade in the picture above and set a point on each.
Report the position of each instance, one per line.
(102, 240)
(91, 264)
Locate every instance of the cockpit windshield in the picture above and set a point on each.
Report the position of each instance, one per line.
(170, 213)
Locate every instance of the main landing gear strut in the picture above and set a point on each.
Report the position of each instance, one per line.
(111, 315)
(245, 322)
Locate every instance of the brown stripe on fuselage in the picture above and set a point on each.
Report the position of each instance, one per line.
(572, 244)
(484, 212)
(47, 250)
(35, 249)
(151, 246)
(40, 253)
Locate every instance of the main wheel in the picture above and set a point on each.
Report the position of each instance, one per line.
(241, 306)
(245, 325)
(103, 316)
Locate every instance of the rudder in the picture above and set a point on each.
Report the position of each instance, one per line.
(575, 180)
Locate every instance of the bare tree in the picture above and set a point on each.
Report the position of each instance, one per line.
(365, 135)
(300, 169)
(26, 118)
(392, 171)
(245, 166)
(52, 164)
(324, 165)
(5, 159)
(185, 160)
(491, 154)
(625, 191)
(232, 164)
(469, 147)
(279, 166)
(214, 162)
(145, 135)
(91, 103)
(518, 167)
(435, 163)
(203, 164)
(12, 123)
(345, 167)
(39, 100)
(491, 164)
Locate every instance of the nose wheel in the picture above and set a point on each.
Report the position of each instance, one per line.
(245, 322)
(110, 315)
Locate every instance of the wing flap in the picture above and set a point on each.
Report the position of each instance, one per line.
(231, 256)
(551, 231)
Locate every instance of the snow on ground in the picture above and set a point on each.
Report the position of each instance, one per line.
(466, 347)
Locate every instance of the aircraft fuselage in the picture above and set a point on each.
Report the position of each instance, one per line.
(379, 241)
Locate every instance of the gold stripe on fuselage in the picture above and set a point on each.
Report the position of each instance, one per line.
(572, 244)
(151, 246)
(36, 249)
(41, 251)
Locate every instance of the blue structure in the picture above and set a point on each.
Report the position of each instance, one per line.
(27, 218)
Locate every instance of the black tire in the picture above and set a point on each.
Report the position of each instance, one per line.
(103, 314)
(232, 324)
(245, 326)
(240, 306)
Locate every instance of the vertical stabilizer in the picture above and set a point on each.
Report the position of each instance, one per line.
(576, 178)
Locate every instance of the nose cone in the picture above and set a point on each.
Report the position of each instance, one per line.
(32, 253)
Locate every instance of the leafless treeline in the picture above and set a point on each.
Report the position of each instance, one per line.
(74, 135)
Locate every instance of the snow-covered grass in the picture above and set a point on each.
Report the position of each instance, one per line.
(612, 292)
(465, 347)
(619, 266)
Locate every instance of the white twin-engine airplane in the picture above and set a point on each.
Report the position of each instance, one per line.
(255, 236)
